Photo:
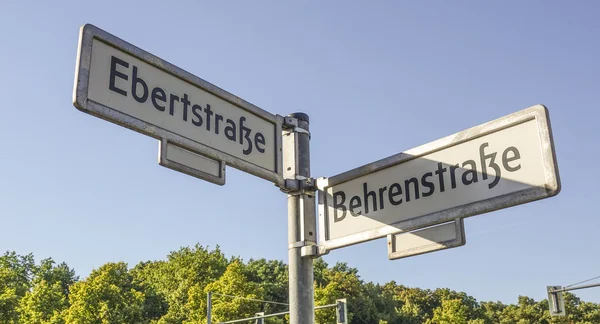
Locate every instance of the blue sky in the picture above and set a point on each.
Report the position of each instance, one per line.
(375, 78)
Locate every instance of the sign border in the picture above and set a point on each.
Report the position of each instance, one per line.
(460, 240)
(552, 185)
(89, 32)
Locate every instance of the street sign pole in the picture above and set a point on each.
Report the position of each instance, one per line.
(301, 218)
(202, 128)
(556, 300)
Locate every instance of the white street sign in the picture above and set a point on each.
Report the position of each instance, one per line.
(123, 84)
(499, 164)
(430, 239)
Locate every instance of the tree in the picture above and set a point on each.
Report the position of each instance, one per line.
(173, 291)
(180, 280)
(319, 269)
(272, 278)
(107, 296)
(415, 305)
(43, 305)
(232, 283)
(49, 295)
(492, 312)
(527, 311)
(16, 273)
(451, 311)
(52, 273)
(590, 313)
(343, 282)
(155, 304)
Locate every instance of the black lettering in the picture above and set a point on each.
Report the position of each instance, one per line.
(172, 99)
(186, 103)
(428, 184)
(245, 133)
(395, 190)
(134, 82)
(196, 110)
(493, 165)
(230, 130)
(114, 73)
(355, 203)
(259, 138)
(506, 159)
(453, 175)
(209, 113)
(217, 118)
(339, 205)
(381, 191)
(158, 94)
(440, 172)
(472, 172)
(368, 194)
(407, 183)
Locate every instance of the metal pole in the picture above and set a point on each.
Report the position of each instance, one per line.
(302, 227)
(578, 287)
(208, 307)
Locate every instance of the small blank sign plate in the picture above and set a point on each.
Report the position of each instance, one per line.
(185, 161)
(445, 236)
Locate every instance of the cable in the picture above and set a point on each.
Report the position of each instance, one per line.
(582, 282)
(256, 300)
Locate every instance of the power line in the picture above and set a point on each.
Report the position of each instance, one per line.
(582, 282)
(256, 300)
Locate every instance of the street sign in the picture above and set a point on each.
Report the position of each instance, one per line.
(128, 86)
(260, 320)
(556, 301)
(499, 164)
(431, 239)
(341, 311)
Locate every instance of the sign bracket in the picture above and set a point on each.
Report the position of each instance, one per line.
(290, 124)
(299, 184)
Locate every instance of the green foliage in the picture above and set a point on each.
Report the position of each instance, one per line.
(233, 283)
(43, 304)
(341, 281)
(48, 298)
(16, 273)
(174, 291)
(107, 296)
(272, 279)
(177, 284)
(451, 311)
